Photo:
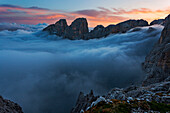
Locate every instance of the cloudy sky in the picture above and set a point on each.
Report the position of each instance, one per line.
(96, 11)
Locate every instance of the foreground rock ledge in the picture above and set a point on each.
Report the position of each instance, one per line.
(7, 106)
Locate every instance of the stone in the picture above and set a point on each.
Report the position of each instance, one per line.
(77, 29)
(123, 27)
(116, 93)
(58, 28)
(157, 63)
(7, 106)
(97, 32)
(83, 102)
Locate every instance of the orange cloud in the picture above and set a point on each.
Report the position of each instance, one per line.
(140, 11)
(104, 16)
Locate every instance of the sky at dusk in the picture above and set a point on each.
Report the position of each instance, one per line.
(103, 12)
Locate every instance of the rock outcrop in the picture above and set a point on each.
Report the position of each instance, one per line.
(154, 98)
(157, 93)
(123, 27)
(7, 106)
(99, 31)
(157, 63)
(79, 29)
(159, 21)
(83, 102)
(58, 28)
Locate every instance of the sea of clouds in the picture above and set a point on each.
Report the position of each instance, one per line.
(45, 74)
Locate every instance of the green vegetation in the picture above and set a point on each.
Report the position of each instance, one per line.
(161, 107)
(123, 107)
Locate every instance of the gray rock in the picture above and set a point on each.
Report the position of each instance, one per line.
(157, 63)
(7, 106)
(83, 102)
(116, 93)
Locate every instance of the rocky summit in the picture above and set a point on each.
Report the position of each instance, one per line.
(7, 106)
(152, 96)
(58, 28)
(79, 29)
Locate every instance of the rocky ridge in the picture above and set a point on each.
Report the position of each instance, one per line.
(7, 106)
(79, 29)
(159, 21)
(153, 95)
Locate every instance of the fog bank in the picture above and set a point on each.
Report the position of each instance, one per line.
(46, 73)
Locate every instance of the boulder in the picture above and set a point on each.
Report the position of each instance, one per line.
(77, 29)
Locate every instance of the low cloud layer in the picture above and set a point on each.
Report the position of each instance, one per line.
(101, 15)
(46, 73)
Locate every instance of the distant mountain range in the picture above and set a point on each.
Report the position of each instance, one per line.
(79, 28)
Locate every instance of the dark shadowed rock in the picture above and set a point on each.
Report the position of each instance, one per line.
(83, 102)
(77, 29)
(58, 28)
(157, 63)
(97, 32)
(108, 29)
(135, 29)
(159, 21)
(123, 27)
(7, 106)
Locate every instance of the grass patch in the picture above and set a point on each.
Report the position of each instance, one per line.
(161, 107)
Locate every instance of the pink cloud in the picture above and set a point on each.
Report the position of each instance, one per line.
(35, 15)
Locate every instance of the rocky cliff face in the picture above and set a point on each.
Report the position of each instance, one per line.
(157, 63)
(7, 106)
(58, 28)
(79, 29)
